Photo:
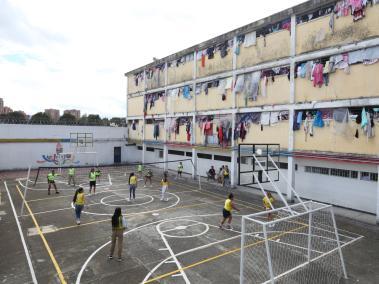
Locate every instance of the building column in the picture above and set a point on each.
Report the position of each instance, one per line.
(291, 161)
(377, 198)
(194, 162)
(165, 157)
(143, 151)
(233, 161)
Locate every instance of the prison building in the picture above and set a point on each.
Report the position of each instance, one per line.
(306, 78)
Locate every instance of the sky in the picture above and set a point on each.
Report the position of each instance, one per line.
(73, 54)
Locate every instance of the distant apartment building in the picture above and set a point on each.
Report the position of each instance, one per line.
(74, 112)
(53, 114)
(6, 110)
(1, 105)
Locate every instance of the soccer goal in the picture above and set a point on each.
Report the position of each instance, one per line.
(296, 243)
(298, 246)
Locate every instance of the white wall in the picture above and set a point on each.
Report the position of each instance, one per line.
(347, 192)
(20, 155)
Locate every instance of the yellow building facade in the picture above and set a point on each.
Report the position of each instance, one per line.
(312, 59)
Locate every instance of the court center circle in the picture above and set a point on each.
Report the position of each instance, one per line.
(121, 197)
(184, 225)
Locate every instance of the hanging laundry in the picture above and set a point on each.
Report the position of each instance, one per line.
(203, 60)
(134, 127)
(240, 82)
(265, 118)
(187, 92)
(318, 122)
(221, 87)
(188, 130)
(274, 118)
(318, 78)
(297, 120)
(364, 120)
(156, 131)
(210, 52)
(341, 122)
(371, 53)
(228, 83)
(252, 85)
(341, 115)
(308, 126)
(250, 39)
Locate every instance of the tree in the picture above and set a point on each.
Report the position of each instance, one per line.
(94, 119)
(83, 120)
(67, 118)
(105, 121)
(40, 118)
(13, 117)
(119, 121)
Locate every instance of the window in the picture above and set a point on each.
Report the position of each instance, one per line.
(295, 167)
(340, 173)
(189, 154)
(139, 147)
(369, 176)
(149, 149)
(204, 156)
(316, 170)
(244, 160)
(161, 154)
(174, 152)
(353, 174)
(222, 158)
(283, 166)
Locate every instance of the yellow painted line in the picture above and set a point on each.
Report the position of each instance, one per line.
(55, 263)
(218, 256)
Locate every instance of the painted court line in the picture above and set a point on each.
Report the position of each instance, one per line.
(27, 253)
(52, 257)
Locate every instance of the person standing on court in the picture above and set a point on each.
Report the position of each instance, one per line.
(226, 176)
(132, 186)
(164, 184)
(227, 211)
(180, 170)
(92, 181)
(268, 202)
(139, 171)
(148, 176)
(119, 225)
(98, 174)
(71, 176)
(51, 182)
(78, 201)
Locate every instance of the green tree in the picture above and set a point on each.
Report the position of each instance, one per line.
(94, 119)
(67, 118)
(13, 117)
(83, 120)
(40, 118)
(105, 121)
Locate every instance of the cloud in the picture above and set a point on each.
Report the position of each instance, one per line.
(73, 54)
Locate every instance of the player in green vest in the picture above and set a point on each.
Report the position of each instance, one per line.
(71, 176)
(180, 170)
(92, 181)
(51, 181)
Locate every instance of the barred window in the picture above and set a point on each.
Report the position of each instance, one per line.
(369, 176)
(340, 173)
(317, 170)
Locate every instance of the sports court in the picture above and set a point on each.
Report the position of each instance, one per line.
(173, 241)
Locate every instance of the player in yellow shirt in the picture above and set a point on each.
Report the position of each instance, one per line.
(227, 211)
(92, 181)
(51, 181)
(78, 201)
(268, 201)
(164, 184)
(132, 186)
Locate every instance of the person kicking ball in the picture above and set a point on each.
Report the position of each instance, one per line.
(227, 212)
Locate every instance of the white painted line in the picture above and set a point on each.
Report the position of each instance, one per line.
(27, 253)
(45, 230)
(178, 264)
(176, 275)
(170, 261)
(110, 180)
(162, 249)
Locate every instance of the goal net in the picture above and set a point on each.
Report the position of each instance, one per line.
(295, 244)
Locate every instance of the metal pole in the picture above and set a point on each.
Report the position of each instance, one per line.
(268, 254)
(309, 236)
(242, 259)
(26, 189)
(338, 243)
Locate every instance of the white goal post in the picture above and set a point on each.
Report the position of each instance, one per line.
(296, 246)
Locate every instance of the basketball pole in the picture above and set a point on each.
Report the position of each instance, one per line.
(26, 189)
